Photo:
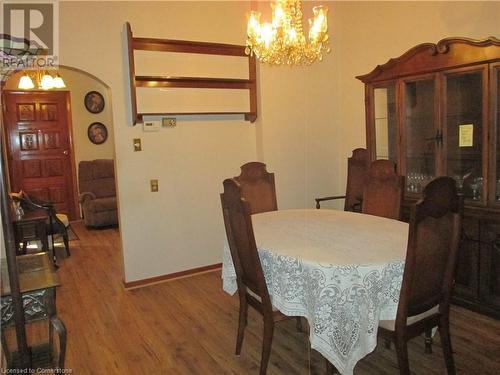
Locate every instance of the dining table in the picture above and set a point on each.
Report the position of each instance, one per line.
(340, 270)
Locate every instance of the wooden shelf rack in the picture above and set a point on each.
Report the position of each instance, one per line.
(182, 46)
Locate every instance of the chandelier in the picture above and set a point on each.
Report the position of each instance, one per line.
(44, 80)
(283, 41)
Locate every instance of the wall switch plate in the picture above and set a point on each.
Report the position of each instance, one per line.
(151, 126)
(137, 144)
(154, 186)
(169, 121)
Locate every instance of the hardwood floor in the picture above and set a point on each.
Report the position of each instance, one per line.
(188, 326)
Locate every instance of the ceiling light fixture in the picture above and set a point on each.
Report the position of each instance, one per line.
(44, 80)
(283, 41)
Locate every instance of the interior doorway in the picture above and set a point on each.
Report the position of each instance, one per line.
(40, 148)
(79, 86)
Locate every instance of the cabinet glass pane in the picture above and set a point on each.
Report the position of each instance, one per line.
(385, 122)
(497, 152)
(420, 134)
(464, 127)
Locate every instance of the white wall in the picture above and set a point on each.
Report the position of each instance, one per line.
(180, 227)
(309, 118)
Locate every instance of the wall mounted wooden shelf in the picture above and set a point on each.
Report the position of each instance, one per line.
(166, 81)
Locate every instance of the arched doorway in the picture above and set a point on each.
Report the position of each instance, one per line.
(83, 146)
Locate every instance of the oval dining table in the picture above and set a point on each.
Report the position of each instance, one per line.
(340, 270)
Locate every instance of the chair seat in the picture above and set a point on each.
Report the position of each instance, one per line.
(257, 297)
(390, 324)
(64, 219)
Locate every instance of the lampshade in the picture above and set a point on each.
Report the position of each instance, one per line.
(47, 82)
(58, 82)
(26, 83)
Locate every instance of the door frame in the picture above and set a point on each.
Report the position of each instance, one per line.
(74, 209)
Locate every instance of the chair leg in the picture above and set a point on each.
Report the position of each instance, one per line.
(444, 332)
(330, 369)
(61, 331)
(402, 353)
(428, 341)
(387, 343)
(298, 324)
(267, 341)
(242, 323)
(66, 242)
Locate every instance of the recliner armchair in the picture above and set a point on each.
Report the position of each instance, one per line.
(96, 180)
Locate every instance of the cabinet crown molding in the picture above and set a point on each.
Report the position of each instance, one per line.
(429, 57)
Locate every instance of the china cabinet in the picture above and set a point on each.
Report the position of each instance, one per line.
(435, 111)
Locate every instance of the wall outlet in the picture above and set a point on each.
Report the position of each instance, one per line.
(137, 144)
(154, 186)
(169, 121)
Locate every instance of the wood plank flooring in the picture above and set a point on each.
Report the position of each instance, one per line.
(188, 326)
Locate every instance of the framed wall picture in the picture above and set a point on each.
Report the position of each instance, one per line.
(97, 133)
(94, 102)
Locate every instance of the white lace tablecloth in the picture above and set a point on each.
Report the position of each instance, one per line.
(342, 271)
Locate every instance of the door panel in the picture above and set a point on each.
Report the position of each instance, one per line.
(40, 158)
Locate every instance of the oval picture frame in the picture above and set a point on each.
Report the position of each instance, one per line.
(94, 102)
(97, 133)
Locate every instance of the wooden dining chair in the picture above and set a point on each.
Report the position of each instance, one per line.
(424, 300)
(252, 288)
(383, 193)
(257, 187)
(57, 224)
(357, 173)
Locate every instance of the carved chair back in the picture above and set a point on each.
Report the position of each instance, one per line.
(357, 174)
(433, 241)
(384, 190)
(239, 230)
(257, 187)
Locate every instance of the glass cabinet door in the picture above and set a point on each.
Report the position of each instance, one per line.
(463, 127)
(385, 122)
(496, 119)
(420, 133)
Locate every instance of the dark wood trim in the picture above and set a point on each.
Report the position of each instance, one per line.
(370, 117)
(10, 253)
(252, 76)
(476, 306)
(193, 82)
(493, 134)
(247, 115)
(75, 206)
(171, 276)
(448, 53)
(184, 46)
(131, 74)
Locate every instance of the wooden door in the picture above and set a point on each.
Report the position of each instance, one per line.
(38, 133)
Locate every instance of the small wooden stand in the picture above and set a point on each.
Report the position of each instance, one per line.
(38, 280)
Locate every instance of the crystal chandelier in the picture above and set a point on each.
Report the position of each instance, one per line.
(283, 41)
(43, 79)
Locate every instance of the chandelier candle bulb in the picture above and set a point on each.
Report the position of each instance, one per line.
(282, 41)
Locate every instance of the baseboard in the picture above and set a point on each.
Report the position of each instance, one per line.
(171, 276)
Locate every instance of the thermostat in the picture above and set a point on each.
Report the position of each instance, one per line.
(151, 126)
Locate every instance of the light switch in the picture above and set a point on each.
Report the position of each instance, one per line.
(137, 144)
(154, 186)
(168, 121)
